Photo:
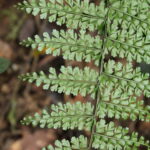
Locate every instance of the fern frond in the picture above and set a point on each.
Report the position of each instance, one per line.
(72, 47)
(74, 13)
(133, 9)
(128, 30)
(109, 137)
(79, 143)
(138, 53)
(70, 81)
(119, 106)
(122, 28)
(128, 79)
(118, 86)
(65, 116)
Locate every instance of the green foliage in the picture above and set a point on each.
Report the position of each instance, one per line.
(116, 105)
(109, 137)
(73, 13)
(122, 30)
(69, 81)
(128, 79)
(65, 116)
(129, 30)
(76, 143)
(4, 64)
(69, 45)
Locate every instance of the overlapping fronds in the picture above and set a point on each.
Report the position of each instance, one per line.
(122, 30)
(118, 104)
(128, 79)
(107, 136)
(129, 29)
(138, 10)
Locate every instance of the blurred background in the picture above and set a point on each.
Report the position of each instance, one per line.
(18, 99)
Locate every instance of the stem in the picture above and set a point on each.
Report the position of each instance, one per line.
(98, 95)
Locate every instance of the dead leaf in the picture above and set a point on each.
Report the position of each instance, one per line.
(5, 50)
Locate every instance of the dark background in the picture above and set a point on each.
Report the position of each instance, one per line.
(17, 99)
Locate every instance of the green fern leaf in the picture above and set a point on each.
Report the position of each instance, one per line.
(79, 143)
(74, 13)
(128, 79)
(122, 29)
(69, 45)
(69, 81)
(109, 137)
(128, 30)
(65, 116)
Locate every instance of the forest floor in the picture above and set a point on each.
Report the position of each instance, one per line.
(18, 99)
